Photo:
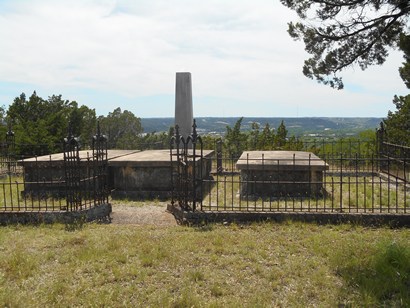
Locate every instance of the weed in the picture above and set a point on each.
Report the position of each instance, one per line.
(264, 264)
(196, 276)
(75, 224)
(383, 277)
(216, 290)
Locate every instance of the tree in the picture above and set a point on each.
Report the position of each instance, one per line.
(267, 138)
(343, 33)
(123, 129)
(45, 122)
(236, 140)
(3, 122)
(39, 122)
(83, 121)
(398, 122)
(281, 135)
(405, 69)
(254, 136)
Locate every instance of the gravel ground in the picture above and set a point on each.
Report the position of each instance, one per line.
(142, 215)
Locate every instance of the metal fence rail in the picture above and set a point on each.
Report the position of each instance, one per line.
(71, 180)
(40, 188)
(343, 176)
(348, 185)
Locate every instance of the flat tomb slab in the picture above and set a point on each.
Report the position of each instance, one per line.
(131, 173)
(83, 154)
(149, 158)
(280, 174)
(280, 160)
(147, 174)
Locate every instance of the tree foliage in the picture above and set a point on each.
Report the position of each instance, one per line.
(343, 33)
(405, 69)
(398, 122)
(36, 121)
(237, 141)
(41, 125)
(281, 135)
(39, 122)
(156, 140)
(123, 129)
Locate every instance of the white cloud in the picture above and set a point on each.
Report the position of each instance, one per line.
(237, 50)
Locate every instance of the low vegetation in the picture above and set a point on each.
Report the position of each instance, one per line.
(265, 264)
(346, 194)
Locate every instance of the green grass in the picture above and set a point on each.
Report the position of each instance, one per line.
(349, 194)
(265, 265)
(357, 194)
(138, 203)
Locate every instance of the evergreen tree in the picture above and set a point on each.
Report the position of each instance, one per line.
(39, 122)
(267, 138)
(398, 122)
(41, 125)
(339, 34)
(123, 129)
(236, 141)
(254, 137)
(281, 135)
(83, 121)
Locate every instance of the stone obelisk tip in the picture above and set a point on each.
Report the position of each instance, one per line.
(183, 103)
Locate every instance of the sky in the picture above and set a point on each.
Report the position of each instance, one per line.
(107, 54)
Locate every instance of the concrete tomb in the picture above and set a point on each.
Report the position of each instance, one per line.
(147, 174)
(280, 174)
(131, 174)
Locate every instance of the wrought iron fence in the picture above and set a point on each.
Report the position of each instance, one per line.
(186, 154)
(71, 180)
(393, 154)
(346, 185)
(345, 176)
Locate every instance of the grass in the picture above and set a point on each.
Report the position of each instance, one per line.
(138, 203)
(264, 264)
(349, 194)
(358, 194)
(13, 196)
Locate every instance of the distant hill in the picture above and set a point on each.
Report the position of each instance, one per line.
(295, 126)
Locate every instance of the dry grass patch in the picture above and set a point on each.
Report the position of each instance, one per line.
(291, 264)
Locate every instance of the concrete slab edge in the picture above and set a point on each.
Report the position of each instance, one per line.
(98, 213)
(364, 219)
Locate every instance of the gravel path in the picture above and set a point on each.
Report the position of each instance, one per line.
(142, 215)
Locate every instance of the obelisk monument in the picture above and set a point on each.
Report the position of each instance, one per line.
(183, 104)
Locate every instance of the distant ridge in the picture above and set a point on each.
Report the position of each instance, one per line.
(296, 126)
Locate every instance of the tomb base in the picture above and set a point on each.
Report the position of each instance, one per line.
(277, 174)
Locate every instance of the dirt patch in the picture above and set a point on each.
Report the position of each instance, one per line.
(142, 215)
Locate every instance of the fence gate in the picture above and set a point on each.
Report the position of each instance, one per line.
(100, 167)
(394, 158)
(72, 172)
(186, 169)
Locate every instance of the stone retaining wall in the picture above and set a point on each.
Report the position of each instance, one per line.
(101, 212)
(367, 219)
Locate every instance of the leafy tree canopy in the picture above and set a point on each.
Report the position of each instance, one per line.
(237, 141)
(343, 33)
(37, 121)
(123, 129)
(398, 122)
